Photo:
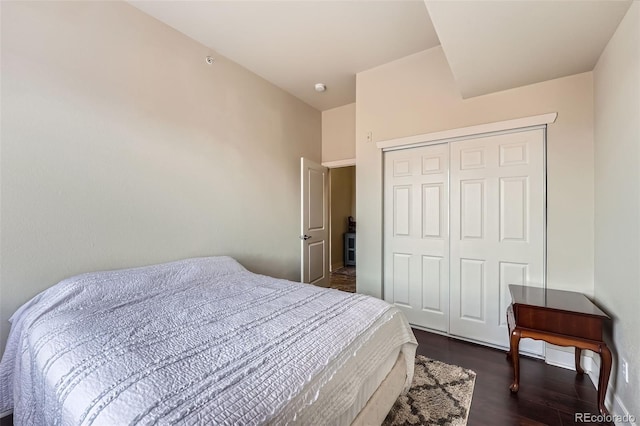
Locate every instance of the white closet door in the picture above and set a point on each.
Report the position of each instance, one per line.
(416, 245)
(497, 230)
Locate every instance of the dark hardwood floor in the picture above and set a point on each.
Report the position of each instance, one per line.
(548, 395)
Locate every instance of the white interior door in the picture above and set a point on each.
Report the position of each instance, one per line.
(314, 223)
(416, 232)
(497, 230)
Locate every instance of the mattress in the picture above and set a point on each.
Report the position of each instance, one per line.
(198, 341)
(354, 383)
(384, 397)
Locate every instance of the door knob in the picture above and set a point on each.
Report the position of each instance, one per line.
(305, 237)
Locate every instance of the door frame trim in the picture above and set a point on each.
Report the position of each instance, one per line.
(469, 132)
(339, 163)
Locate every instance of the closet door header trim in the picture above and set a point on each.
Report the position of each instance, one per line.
(498, 127)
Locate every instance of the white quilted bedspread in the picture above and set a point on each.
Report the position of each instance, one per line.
(199, 341)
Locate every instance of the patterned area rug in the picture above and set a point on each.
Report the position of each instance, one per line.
(349, 271)
(344, 279)
(440, 395)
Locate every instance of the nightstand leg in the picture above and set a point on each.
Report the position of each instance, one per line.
(603, 380)
(509, 331)
(579, 369)
(514, 344)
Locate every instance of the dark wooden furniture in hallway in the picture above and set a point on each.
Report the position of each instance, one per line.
(349, 249)
(563, 318)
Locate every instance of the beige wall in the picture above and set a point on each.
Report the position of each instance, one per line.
(338, 133)
(417, 94)
(342, 206)
(617, 199)
(121, 147)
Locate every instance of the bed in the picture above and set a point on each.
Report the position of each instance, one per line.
(203, 341)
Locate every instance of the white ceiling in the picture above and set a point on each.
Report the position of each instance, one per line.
(498, 45)
(295, 44)
(490, 45)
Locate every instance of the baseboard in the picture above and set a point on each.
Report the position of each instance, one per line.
(612, 401)
(559, 356)
(475, 342)
(565, 358)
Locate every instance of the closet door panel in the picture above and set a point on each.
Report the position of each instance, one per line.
(497, 230)
(416, 237)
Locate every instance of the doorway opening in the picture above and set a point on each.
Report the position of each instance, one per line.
(342, 225)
